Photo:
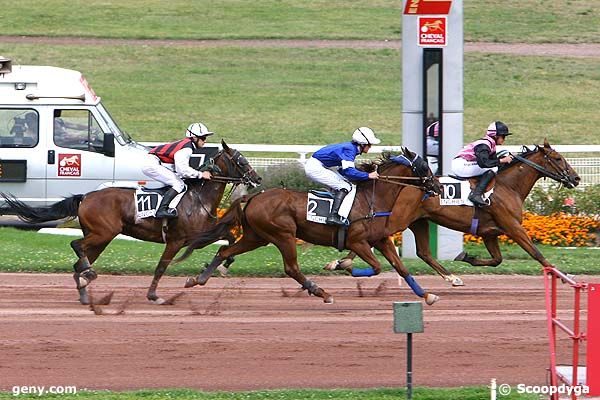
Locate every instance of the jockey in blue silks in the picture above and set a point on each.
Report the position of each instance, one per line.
(333, 166)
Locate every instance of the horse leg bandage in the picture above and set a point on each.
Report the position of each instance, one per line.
(363, 271)
(310, 286)
(414, 285)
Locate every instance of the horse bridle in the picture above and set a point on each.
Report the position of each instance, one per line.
(561, 175)
(237, 162)
(425, 182)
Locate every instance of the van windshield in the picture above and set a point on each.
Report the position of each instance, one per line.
(121, 136)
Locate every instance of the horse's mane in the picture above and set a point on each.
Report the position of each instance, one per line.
(381, 163)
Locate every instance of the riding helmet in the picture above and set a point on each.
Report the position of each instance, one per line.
(197, 129)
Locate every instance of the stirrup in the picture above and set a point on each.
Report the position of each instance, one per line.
(335, 220)
(478, 200)
(168, 213)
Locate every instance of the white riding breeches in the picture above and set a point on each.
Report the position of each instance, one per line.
(467, 169)
(157, 171)
(316, 171)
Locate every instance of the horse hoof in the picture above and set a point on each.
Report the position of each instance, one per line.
(431, 298)
(84, 298)
(328, 300)
(456, 281)
(331, 266)
(461, 256)
(159, 301)
(191, 282)
(223, 271)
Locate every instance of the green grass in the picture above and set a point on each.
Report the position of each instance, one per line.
(318, 96)
(470, 393)
(532, 21)
(29, 251)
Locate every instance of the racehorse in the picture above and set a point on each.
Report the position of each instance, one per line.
(105, 213)
(503, 217)
(278, 216)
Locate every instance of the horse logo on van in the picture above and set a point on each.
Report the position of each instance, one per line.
(69, 165)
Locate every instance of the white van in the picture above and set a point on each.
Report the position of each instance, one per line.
(57, 139)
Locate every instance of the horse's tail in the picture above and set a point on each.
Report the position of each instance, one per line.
(232, 217)
(66, 208)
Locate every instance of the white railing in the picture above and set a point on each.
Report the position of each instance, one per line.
(588, 168)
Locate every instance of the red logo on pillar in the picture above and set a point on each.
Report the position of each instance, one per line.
(432, 31)
(425, 7)
(69, 165)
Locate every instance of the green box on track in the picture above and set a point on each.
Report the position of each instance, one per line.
(408, 317)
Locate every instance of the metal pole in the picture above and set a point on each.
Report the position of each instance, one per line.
(409, 366)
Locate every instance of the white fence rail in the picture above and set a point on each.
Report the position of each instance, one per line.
(588, 168)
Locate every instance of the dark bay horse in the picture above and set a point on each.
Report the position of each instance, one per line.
(105, 213)
(278, 216)
(504, 216)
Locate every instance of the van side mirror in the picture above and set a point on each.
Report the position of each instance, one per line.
(108, 147)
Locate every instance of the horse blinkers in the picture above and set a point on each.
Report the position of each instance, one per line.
(420, 168)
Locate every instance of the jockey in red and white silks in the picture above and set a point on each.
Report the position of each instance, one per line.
(170, 163)
(479, 158)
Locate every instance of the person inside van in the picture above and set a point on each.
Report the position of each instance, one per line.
(69, 134)
(25, 130)
(170, 163)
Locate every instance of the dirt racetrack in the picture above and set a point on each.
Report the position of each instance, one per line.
(237, 334)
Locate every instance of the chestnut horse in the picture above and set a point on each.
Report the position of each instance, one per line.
(105, 213)
(503, 217)
(278, 216)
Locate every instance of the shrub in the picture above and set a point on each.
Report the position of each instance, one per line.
(290, 176)
(556, 199)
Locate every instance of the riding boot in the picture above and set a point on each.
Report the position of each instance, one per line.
(334, 218)
(163, 210)
(477, 195)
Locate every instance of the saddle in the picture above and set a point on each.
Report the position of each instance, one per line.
(319, 202)
(456, 190)
(318, 207)
(473, 181)
(147, 201)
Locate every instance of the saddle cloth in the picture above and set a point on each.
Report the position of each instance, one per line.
(318, 205)
(455, 192)
(148, 200)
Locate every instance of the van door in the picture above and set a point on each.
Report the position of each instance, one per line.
(76, 162)
(21, 149)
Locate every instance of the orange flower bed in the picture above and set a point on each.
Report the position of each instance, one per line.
(237, 230)
(559, 229)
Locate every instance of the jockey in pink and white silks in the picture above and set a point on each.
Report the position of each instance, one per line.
(479, 158)
(333, 166)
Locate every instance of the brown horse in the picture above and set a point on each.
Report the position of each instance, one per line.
(504, 216)
(278, 216)
(105, 213)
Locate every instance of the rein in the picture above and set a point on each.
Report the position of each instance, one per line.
(233, 162)
(559, 177)
(392, 179)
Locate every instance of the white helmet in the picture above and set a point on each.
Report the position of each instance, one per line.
(197, 129)
(364, 135)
